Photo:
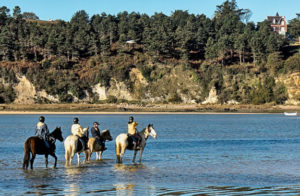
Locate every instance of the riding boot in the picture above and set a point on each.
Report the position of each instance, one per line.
(85, 146)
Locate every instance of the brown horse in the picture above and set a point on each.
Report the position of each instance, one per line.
(35, 145)
(94, 146)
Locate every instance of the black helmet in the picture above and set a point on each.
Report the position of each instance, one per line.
(75, 120)
(130, 119)
(42, 119)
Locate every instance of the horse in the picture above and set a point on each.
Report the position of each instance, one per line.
(124, 142)
(36, 145)
(94, 146)
(73, 145)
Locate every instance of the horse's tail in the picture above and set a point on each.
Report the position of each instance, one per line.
(27, 145)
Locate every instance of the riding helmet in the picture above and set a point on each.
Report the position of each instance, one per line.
(42, 119)
(75, 120)
(131, 119)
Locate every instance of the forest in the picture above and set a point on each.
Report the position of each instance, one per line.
(71, 56)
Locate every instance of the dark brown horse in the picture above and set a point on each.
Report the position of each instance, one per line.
(35, 145)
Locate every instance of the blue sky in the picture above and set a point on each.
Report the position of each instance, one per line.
(65, 9)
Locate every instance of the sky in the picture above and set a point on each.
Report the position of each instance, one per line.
(65, 9)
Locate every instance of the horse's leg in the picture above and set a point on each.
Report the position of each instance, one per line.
(46, 160)
(123, 149)
(32, 160)
(71, 158)
(140, 157)
(134, 155)
(96, 155)
(78, 159)
(90, 151)
(86, 154)
(55, 162)
(100, 155)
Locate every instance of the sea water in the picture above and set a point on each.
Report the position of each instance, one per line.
(209, 154)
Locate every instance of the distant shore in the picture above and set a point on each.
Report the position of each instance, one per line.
(142, 109)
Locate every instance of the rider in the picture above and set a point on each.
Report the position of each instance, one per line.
(77, 130)
(133, 132)
(42, 131)
(96, 134)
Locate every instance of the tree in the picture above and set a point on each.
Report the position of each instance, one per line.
(17, 12)
(275, 62)
(294, 28)
(4, 15)
(30, 15)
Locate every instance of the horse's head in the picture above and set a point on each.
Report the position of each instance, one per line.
(86, 131)
(57, 134)
(150, 131)
(106, 135)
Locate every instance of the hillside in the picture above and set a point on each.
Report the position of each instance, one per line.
(134, 58)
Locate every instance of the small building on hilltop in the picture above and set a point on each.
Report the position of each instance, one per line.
(278, 23)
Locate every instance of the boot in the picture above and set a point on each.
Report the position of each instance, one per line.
(86, 147)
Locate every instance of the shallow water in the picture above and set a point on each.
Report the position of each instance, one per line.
(193, 154)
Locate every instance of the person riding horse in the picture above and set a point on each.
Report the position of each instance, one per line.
(42, 131)
(77, 130)
(96, 134)
(132, 132)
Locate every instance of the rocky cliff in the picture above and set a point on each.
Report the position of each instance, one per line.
(177, 86)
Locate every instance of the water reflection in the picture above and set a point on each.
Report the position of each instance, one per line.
(124, 189)
(74, 171)
(72, 190)
(129, 168)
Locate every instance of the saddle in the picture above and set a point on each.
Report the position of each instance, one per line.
(130, 140)
(80, 144)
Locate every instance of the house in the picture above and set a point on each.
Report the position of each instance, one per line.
(278, 23)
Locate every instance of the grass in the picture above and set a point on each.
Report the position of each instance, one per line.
(129, 108)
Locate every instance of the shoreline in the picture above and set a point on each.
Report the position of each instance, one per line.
(127, 113)
(126, 109)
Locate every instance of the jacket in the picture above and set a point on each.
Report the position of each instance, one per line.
(76, 129)
(132, 128)
(42, 130)
(95, 133)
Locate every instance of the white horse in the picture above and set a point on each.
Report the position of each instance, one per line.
(72, 146)
(124, 142)
(94, 146)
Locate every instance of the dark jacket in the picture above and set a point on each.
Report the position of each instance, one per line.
(95, 133)
(42, 131)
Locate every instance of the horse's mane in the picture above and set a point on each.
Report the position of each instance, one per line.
(104, 131)
(57, 129)
(142, 131)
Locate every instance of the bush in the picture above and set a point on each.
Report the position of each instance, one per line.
(275, 62)
(293, 63)
(65, 98)
(174, 98)
(111, 99)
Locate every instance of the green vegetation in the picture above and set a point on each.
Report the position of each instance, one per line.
(68, 58)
